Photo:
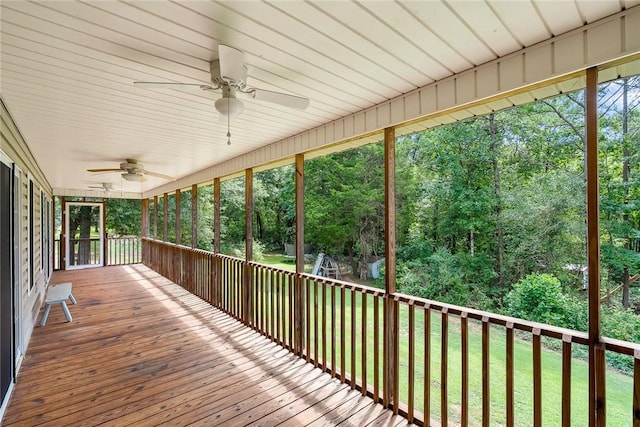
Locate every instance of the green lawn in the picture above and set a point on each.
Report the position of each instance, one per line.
(279, 261)
(619, 386)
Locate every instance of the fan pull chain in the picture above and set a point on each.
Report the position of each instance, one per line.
(228, 125)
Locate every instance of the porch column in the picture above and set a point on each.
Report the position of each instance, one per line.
(155, 217)
(178, 217)
(144, 224)
(248, 227)
(299, 282)
(596, 346)
(390, 358)
(216, 215)
(194, 216)
(217, 262)
(165, 222)
(105, 242)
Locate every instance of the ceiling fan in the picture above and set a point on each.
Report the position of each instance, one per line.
(105, 186)
(133, 171)
(229, 74)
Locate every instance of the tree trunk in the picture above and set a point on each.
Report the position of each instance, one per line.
(497, 193)
(625, 288)
(626, 169)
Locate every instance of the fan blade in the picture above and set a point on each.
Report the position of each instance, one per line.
(159, 175)
(105, 170)
(285, 99)
(172, 85)
(231, 62)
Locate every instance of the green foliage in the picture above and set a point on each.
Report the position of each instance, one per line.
(205, 217)
(439, 277)
(274, 207)
(232, 217)
(344, 203)
(238, 250)
(537, 297)
(123, 217)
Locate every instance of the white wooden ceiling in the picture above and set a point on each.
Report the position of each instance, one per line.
(67, 69)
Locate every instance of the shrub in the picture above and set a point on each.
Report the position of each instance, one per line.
(538, 297)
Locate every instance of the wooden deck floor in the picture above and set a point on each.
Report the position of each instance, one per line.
(142, 351)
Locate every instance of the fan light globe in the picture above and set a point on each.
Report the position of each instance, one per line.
(229, 106)
(134, 177)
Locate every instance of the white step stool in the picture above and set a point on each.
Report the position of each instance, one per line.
(58, 294)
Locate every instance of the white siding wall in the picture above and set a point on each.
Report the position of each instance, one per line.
(12, 145)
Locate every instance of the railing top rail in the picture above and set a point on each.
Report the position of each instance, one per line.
(497, 319)
(622, 347)
(343, 284)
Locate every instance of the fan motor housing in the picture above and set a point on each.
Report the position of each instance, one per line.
(129, 165)
(216, 77)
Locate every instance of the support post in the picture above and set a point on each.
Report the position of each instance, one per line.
(144, 226)
(390, 363)
(299, 288)
(105, 242)
(248, 221)
(216, 215)
(155, 217)
(217, 262)
(178, 217)
(165, 217)
(596, 347)
(194, 216)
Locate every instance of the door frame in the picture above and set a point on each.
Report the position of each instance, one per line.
(4, 399)
(67, 234)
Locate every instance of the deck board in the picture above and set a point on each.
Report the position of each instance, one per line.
(143, 351)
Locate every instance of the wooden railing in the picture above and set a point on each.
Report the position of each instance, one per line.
(123, 250)
(120, 250)
(342, 331)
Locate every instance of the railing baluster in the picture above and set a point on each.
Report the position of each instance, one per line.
(291, 284)
(537, 378)
(396, 356)
(376, 347)
(264, 289)
(426, 397)
(324, 326)
(316, 338)
(566, 380)
(343, 349)
(306, 283)
(277, 312)
(353, 338)
(444, 362)
(486, 402)
(272, 309)
(283, 307)
(333, 331)
(636, 388)
(509, 374)
(412, 361)
(464, 338)
(363, 343)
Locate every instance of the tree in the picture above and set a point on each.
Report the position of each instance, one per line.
(123, 217)
(344, 203)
